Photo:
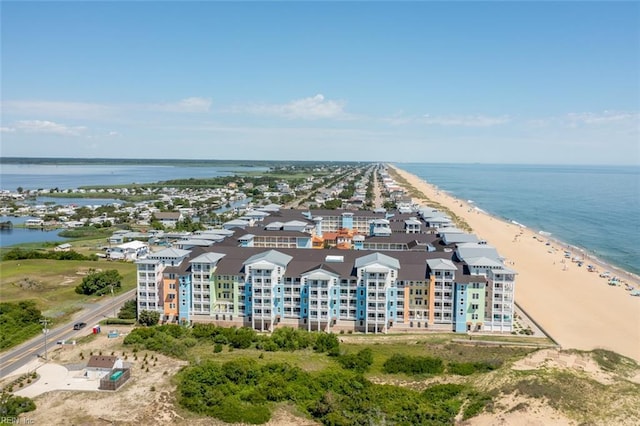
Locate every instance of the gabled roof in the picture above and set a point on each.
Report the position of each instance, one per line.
(207, 258)
(167, 215)
(239, 222)
(441, 264)
(256, 213)
(482, 261)
(454, 238)
(296, 223)
(271, 256)
(169, 252)
(321, 268)
(505, 270)
(466, 251)
(437, 219)
(101, 361)
(225, 232)
(132, 245)
(269, 208)
(274, 225)
(195, 242)
(450, 230)
(379, 258)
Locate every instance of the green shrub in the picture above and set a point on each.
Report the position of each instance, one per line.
(18, 322)
(359, 362)
(119, 321)
(468, 368)
(12, 406)
(414, 365)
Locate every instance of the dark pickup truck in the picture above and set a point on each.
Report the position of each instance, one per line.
(79, 325)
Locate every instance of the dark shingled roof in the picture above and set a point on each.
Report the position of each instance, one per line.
(413, 263)
(101, 361)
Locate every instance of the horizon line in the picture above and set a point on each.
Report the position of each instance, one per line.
(14, 158)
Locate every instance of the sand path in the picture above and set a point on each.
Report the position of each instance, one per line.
(575, 307)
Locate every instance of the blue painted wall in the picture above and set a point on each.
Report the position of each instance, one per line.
(460, 308)
(184, 298)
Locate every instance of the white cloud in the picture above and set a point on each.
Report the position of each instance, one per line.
(7, 129)
(448, 120)
(193, 104)
(63, 109)
(112, 133)
(312, 108)
(44, 126)
(605, 117)
(464, 120)
(88, 110)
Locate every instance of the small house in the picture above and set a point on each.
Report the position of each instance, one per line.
(99, 365)
(63, 247)
(169, 219)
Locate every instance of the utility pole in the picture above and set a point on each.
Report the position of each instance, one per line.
(45, 330)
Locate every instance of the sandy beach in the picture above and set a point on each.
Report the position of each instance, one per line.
(577, 308)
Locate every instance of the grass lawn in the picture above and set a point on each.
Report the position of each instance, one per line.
(51, 283)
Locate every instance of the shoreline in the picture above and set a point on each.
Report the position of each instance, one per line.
(576, 307)
(627, 276)
(585, 252)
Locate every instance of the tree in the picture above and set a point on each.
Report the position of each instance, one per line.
(129, 310)
(100, 283)
(148, 318)
(156, 224)
(11, 406)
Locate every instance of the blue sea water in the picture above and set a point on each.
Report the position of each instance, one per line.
(596, 208)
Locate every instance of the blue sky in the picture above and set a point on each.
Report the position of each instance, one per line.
(487, 82)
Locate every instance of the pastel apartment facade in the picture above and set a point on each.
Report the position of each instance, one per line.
(370, 291)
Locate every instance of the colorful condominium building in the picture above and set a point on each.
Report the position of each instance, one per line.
(428, 284)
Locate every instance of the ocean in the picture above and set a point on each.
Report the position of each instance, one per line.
(595, 208)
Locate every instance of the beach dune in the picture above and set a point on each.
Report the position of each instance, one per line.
(575, 307)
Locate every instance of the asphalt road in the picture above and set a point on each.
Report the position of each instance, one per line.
(25, 352)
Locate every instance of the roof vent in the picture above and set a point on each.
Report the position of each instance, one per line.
(334, 259)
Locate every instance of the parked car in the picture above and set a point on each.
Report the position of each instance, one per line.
(79, 325)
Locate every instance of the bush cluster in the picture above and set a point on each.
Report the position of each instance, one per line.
(22, 254)
(18, 322)
(11, 406)
(468, 368)
(414, 365)
(282, 339)
(359, 362)
(243, 391)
